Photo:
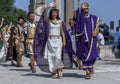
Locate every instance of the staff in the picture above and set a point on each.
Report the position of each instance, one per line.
(79, 4)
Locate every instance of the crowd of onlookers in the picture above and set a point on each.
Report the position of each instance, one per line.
(109, 37)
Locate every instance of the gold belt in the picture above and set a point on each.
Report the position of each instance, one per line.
(54, 36)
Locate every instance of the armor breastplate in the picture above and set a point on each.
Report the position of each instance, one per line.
(18, 33)
(31, 31)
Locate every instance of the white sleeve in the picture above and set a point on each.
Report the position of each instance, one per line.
(26, 28)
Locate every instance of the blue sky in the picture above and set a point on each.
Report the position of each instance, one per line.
(107, 10)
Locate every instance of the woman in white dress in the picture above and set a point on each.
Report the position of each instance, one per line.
(5, 36)
(56, 40)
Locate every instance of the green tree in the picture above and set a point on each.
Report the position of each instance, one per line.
(10, 12)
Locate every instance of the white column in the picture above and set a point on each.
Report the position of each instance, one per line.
(58, 5)
(69, 9)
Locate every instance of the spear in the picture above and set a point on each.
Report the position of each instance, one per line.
(78, 3)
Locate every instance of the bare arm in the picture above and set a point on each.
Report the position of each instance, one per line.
(63, 35)
(21, 35)
(96, 31)
(2, 22)
(9, 27)
(45, 14)
(46, 11)
(3, 38)
(25, 27)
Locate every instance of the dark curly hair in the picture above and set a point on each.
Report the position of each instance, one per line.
(50, 14)
(29, 14)
(20, 18)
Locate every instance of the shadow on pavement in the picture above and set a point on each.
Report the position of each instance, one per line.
(5, 65)
(73, 75)
(70, 75)
(38, 75)
(26, 70)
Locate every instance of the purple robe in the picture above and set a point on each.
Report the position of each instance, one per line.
(86, 43)
(40, 39)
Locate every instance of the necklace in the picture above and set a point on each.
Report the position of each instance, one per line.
(55, 21)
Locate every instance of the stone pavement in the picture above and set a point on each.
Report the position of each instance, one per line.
(106, 72)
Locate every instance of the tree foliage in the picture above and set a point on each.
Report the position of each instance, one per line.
(9, 11)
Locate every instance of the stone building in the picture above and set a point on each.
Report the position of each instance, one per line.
(68, 7)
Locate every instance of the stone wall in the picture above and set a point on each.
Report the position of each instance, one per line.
(107, 53)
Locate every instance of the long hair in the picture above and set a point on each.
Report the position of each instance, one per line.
(50, 14)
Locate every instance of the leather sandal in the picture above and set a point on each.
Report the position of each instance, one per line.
(55, 75)
(92, 71)
(88, 76)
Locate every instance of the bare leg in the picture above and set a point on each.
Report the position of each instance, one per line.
(60, 73)
(32, 64)
(91, 71)
(19, 59)
(12, 62)
(79, 62)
